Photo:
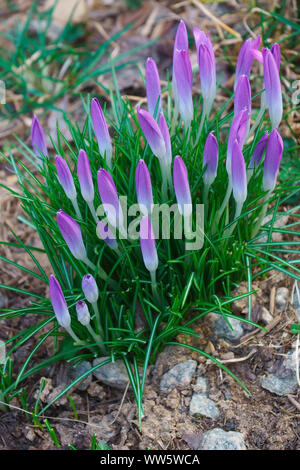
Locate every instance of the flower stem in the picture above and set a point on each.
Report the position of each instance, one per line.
(223, 206)
(261, 216)
(92, 209)
(238, 209)
(76, 208)
(154, 286)
(72, 334)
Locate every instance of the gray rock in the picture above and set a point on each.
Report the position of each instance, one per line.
(75, 372)
(266, 316)
(218, 439)
(203, 406)
(113, 374)
(284, 381)
(282, 297)
(223, 330)
(181, 374)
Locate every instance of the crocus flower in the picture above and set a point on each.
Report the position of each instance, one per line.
(83, 314)
(272, 160)
(245, 58)
(152, 133)
(184, 83)
(242, 96)
(110, 199)
(38, 140)
(207, 69)
(85, 176)
(272, 87)
(275, 49)
(144, 188)
(104, 232)
(238, 174)
(210, 159)
(182, 187)
(258, 151)
(90, 288)
(162, 124)
(101, 131)
(238, 131)
(181, 43)
(148, 245)
(153, 89)
(71, 233)
(59, 303)
(65, 177)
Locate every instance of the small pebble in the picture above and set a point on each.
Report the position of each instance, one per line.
(282, 296)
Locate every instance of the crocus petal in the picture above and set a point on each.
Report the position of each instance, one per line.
(90, 288)
(238, 131)
(181, 38)
(148, 245)
(65, 177)
(166, 136)
(238, 174)
(59, 303)
(272, 160)
(83, 314)
(207, 69)
(38, 140)
(144, 187)
(203, 39)
(210, 158)
(104, 232)
(184, 82)
(182, 187)
(242, 96)
(153, 90)
(258, 151)
(85, 176)
(152, 133)
(109, 198)
(71, 233)
(275, 49)
(101, 130)
(272, 87)
(245, 58)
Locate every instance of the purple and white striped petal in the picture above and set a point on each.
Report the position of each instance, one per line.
(153, 89)
(152, 133)
(101, 131)
(210, 159)
(258, 151)
(90, 288)
(59, 303)
(144, 188)
(104, 232)
(272, 160)
(238, 174)
(242, 96)
(38, 139)
(83, 314)
(85, 176)
(184, 83)
(245, 58)
(182, 187)
(272, 87)
(110, 199)
(65, 177)
(71, 233)
(148, 245)
(238, 131)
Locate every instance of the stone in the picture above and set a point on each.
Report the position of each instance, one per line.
(77, 371)
(223, 330)
(266, 317)
(203, 406)
(284, 381)
(218, 439)
(181, 374)
(282, 297)
(113, 374)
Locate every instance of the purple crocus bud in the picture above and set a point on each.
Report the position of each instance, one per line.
(59, 303)
(104, 232)
(238, 131)
(144, 188)
(85, 176)
(65, 177)
(275, 49)
(148, 245)
(101, 131)
(83, 314)
(242, 96)
(38, 140)
(184, 83)
(182, 187)
(203, 39)
(210, 158)
(71, 233)
(181, 43)
(258, 151)
(238, 174)
(152, 133)
(90, 288)
(153, 90)
(166, 136)
(110, 199)
(272, 87)
(272, 160)
(207, 69)
(245, 58)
